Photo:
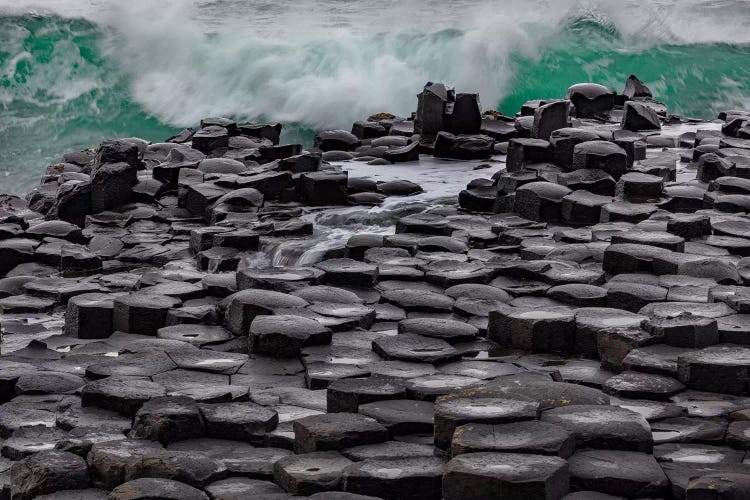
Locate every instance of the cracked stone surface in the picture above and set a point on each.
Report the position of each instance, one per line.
(222, 316)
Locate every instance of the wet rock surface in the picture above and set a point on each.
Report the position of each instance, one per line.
(232, 317)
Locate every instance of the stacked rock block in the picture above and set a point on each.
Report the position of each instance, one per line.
(575, 327)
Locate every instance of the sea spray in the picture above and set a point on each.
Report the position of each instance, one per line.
(76, 72)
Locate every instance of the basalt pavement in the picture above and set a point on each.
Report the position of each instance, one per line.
(574, 324)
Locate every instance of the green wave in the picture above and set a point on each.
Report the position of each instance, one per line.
(61, 90)
(693, 80)
(58, 93)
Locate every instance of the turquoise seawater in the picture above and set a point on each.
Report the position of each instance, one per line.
(68, 82)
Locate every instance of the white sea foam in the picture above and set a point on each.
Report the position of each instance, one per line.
(326, 63)
(144, 67)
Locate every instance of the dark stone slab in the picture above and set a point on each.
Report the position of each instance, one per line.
(48, 472)
(419, 478)
(240, 458)
(614, 472)
(241, 421)
(166, 489)
(533, 437)
(453, 412)
(310, 473)
(336, 431)
(124, 395)
(505, 475)
(168, 419)
(415, 348)
(604, 427)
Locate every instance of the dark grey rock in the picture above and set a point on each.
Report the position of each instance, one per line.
(533, 437)
(411, 299)
(388, 450)
(15, 251)
(449, 330)
(712, 166)
(634, 87)
(452, 412)
(685, 331)
(124, 395)
(241, 308)
(48, 472)
(642, 386)
(463, 147)
(431, 107)
(48, 382)
(540, 201)
(147, 488)
(602, 155)
(141, 313)
(631, 258)
(319, 374)
(270, 131)
(108, 461)
(241, 421)
(401, 154)
(238, 488)
(465, 117)
(168, 419)
(195, 470)
(564, 141)
(603, 427)
(526, 151)
(542, 330)
(31, 439)
(26, 304)
(198, 335)
(550, 117)
(639, 185)
(720, 368)
(336, 431)
(429, 387)
(82, 494)
(89, 316)
(324, 188)
(279, 279)
(368, 129)
(615, 472)
(240, 458)
(634, 296)
(346, 395)
(581, 207)
(401, 416)
(348, 272)
(595, 181)
(406, 347)
(210, 138)
(286, 335)
(336, 140)
(417, 478)
(689, 430)
(112, 186)
(590, 99)
(639, 116)
(310, 473)
(91, 417)
(505, 475)
(579, 295)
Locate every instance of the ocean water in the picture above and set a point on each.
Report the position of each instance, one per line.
(75, 72)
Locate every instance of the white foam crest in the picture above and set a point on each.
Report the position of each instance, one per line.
(181, 74)
(680, 21)
(326, 63)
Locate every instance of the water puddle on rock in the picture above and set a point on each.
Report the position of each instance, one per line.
(441, 181)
